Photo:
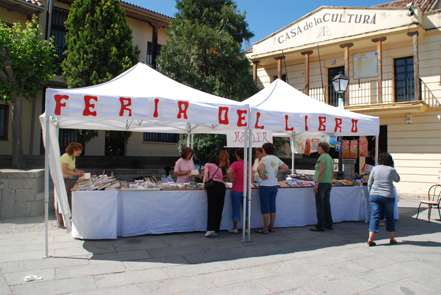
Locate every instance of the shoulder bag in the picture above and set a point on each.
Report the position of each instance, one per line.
(210, 182)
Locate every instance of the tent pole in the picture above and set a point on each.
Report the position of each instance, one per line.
(250, 169)
(244, 189)
(376, 150)
(46, 187)
(188, 134)
(292, 152)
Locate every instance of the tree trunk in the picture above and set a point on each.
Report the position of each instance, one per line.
(17, 137)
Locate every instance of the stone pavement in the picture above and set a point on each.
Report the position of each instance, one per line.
(289, 261)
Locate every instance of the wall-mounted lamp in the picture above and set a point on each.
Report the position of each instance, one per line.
(410, 11)
(408, 119)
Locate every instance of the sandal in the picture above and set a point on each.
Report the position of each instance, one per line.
(393, 242)
(371, 243)
(261, 231)
(271, 230)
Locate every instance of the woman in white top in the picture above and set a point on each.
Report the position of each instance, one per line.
(259, 155)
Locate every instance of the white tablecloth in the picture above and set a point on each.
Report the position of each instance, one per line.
(109, 214)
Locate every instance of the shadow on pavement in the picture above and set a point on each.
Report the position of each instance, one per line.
(194, 247)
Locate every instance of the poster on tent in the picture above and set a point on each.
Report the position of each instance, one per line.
(354, 149)
(308, 145)
(338, 146)
(345, 149)
(236, 138)
(362, 147)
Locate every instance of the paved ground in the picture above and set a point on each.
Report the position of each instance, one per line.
(289, 261)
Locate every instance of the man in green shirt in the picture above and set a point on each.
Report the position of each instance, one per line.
(324, 173)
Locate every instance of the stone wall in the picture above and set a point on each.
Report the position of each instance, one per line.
(22, 193)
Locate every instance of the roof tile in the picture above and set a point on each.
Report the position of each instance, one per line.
(425, 5)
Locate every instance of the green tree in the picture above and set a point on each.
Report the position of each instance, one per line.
(204, 52)
(26, 65)
(99, 46)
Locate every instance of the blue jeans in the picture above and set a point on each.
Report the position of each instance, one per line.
(268, 196)
(323, 206)
(379, 204)
(236, 201)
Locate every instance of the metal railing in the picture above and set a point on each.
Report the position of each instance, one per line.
(366, 92)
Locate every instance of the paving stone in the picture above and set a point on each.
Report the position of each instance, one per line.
(129, 290)
(387, 274)
(433, 272)
(236, 289)
(143, 245)
(82, 251)
(159, 252)
(204, 257)
(89, 270)
(53, 262)
(255, 261)
(22, 256)
(56, 286)
(235, 276)
(131, 277)
(298, 291)
(180, 285)
(425, 282)
(195, 269)
(17, 278)
(290, 266)
(288, 281)
(338, 270)
(345, 255)
(9, 249)
(7, 267)
(159, 262)
(342, 286)
(400, 287)
(4, 287)
(120, 256)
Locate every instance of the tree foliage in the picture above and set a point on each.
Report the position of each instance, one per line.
(204, 52)
(99, 43)
(99, 47)
(26, 65)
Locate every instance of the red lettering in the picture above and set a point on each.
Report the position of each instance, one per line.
(125, 103)
(183, 107)
(338, 122)
(155, 113)
(58, 103)
(257, 122)
(241, 118)
(322, 121)
(354, 126)
(223, 112)
(286, 124)
(306, 123)
(88, 105)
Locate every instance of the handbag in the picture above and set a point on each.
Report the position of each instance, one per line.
(210, 182)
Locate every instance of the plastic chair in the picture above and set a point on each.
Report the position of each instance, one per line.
(434, 197)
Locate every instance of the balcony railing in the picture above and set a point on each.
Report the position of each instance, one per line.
(366, 92)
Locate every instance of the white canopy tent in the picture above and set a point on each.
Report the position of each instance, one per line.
(140, 100)
(288, 112)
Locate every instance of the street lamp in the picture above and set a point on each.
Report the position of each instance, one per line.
(340, 83)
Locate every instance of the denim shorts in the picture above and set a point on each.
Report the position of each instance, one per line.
(268, 196)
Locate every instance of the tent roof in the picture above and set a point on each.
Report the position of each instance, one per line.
(280, 99)
(141, 84)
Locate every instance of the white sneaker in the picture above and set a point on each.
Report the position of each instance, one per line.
(233, 231)
(210, 233)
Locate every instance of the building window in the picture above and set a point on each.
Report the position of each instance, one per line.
(150, 53)
(4, 120)
(58, 30)
(404, 79)
(283, 78)
(161, 137)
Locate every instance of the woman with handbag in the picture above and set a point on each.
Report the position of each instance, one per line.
(215, 187)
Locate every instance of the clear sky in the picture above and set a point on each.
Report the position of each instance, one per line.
(264, 17)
